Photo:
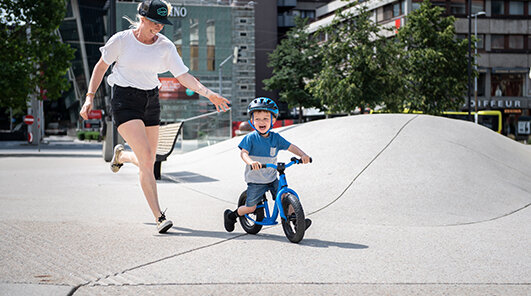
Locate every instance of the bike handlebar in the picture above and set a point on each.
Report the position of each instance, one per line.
(294, 160)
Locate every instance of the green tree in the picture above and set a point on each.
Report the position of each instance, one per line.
(31, 54)
(358, 64)
(294, 62)
(434, 65)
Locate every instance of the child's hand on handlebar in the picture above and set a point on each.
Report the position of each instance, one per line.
(256, 165)
(305, 159)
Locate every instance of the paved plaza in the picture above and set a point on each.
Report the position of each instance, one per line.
(401, 205)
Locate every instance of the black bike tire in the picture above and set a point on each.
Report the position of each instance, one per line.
(247, 225)
(294, 233)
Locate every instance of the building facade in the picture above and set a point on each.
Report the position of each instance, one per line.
(504, 47)
(274, 18)
(206, 34)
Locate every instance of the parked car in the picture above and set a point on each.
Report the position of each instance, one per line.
(54, 128)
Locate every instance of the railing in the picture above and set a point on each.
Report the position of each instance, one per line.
(204, 130)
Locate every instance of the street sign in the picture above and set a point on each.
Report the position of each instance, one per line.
(95, 114)
(30, 138)
(28, 119)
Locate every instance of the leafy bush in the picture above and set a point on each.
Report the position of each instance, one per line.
(86, 135)
(93, 135)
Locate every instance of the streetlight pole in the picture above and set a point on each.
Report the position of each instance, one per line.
(476, 63)
(234, 57)
(220, 68)
(469, 68)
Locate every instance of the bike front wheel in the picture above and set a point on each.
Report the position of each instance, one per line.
(295, 225)
(258, 215)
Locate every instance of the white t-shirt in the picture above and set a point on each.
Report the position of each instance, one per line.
(137, 64)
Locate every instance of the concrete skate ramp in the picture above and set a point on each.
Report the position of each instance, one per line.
(385, 169)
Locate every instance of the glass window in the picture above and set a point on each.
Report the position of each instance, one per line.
(507, 85)
(396, 9)
(516, 41)
(481, 84)
(497, 42)
(178, 36)
(497, 7)
(305, 13)
(211, 45)
(415, 5)
(516, 7)
(458, 7)
(440, 3)
(388, 12)
(379, 14)
(481, 44)
(477, 6)
(194, 44)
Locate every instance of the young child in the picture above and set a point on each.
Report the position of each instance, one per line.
(261, 146)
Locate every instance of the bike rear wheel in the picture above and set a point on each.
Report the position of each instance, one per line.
(295, 225)
(258, 215)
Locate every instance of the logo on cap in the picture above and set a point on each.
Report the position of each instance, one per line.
(162, 11)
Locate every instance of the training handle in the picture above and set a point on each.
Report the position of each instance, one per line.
(262, 166)
(299, 160)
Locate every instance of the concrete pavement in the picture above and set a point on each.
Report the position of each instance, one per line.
(401, 205)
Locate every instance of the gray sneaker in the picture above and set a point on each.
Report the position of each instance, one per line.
(162, 224)
(115, 165)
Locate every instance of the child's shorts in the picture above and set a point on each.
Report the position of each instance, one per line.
(256, 191)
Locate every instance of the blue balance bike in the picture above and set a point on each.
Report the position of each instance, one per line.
(287, 205)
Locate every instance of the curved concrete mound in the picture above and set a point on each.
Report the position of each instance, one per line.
(386, 169)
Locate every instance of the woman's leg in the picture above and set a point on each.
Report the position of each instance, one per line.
(127, 156)
(143, 141)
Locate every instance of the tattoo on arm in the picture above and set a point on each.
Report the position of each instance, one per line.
(203, 91)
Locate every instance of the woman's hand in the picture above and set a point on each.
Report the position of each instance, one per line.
(86, 108)
(192, 83)
(218, 101)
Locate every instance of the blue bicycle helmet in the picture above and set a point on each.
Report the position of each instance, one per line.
(262, 103)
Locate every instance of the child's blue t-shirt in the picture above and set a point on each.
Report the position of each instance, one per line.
(263, 150)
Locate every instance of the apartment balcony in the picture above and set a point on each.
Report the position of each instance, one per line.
(286, 3)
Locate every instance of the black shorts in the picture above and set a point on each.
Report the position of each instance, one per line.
(132, 103)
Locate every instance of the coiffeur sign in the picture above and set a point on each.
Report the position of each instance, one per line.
(500, 104)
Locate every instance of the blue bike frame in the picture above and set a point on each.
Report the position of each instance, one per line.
(283, 189)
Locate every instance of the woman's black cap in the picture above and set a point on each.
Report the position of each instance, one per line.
(155, 11)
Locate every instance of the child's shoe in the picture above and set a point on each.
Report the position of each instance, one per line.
(308, 223)
(229, 222)
(115, 165)
(162, 224)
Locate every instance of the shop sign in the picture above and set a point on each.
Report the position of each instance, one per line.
(95, 114)
(512, 111)
(498, 104)
(171, 89)
(178, 12)
(524, 127)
